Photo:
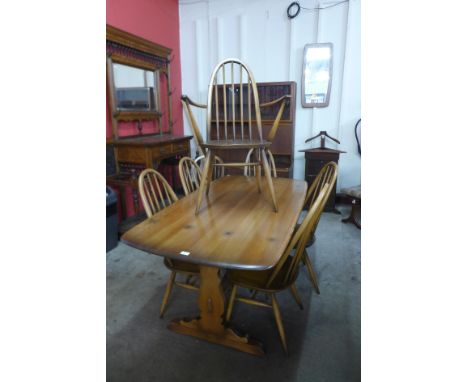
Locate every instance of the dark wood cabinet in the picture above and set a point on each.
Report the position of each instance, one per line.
(315, 159)
(282, 146)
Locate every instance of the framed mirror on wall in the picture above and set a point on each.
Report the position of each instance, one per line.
(139, 82)
(135, 89)
(317, 71)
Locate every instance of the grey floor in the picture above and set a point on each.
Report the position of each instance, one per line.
(323, 339)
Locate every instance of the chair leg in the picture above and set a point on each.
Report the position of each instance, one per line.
(167, 293)
(209, 177)
(258, 174)
(279, 322)
(352, 216)
(266, 168)
(232, 298)
(203, 181)
(310, 270)
(295, 294)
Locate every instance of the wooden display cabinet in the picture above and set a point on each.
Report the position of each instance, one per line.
(282, 146)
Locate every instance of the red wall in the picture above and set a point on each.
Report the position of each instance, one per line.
(157, 21)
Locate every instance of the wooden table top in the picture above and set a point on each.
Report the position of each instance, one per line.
(236, 227)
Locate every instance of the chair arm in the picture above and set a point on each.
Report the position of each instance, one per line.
(193, 103)
(274, 128)
(266, 104)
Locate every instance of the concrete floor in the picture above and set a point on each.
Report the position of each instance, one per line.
(323, 339)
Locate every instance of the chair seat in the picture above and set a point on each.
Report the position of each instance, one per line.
(181, 266)
(236, 144)
(259, 279)
(354, 192)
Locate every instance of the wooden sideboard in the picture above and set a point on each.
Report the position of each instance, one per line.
(134, 154)
(282, 146)
(315, 159)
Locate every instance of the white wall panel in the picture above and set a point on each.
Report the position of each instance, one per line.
(260, 33)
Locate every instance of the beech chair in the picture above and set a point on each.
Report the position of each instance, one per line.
(190, 175)
(327, 175)
(233, 122)
(250, 171)
(283, 275)
(156, 194)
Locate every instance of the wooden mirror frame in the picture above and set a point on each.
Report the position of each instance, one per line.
(125, 41)
(327, 99)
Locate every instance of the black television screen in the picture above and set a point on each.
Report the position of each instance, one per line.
(135, 98)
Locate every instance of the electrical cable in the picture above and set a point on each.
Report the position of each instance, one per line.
(297, 8)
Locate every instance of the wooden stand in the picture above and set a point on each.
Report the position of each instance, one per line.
(210, 326)
(315, 159)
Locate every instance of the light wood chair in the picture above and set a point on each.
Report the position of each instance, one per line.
(250, 171)
(156, 194)
(190, 175)
(280, 277)
(233, 112)
(218, 171)
(327, 175)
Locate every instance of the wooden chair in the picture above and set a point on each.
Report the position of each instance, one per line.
(190, 175)
(157, 194)
(218, 171)
(250, 171)
(235, 125)
(327, 175)
(283, 275)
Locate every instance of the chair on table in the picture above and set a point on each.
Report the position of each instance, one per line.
(283, 275)
(218, 171)
(250, 171)
(327, 175)
(232, 125)
(157, 194)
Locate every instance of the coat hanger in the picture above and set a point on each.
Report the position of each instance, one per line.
(322, 136)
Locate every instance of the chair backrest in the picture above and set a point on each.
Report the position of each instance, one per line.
(300, 238)
(155, 192)
(190, 175)
(250, 170)
(326, 175)
(218, 171)
(233, 104)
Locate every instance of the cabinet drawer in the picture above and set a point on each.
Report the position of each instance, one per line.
(131, 154)
(161, 151)
(180, 146)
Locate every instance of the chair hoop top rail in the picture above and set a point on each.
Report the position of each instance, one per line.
(155, 191)
(226, 68)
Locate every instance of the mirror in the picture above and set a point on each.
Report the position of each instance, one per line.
(135, 88)
(317, 75)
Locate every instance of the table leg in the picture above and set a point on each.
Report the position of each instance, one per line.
(210, 326)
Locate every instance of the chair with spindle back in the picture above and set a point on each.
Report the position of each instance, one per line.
(190, 175)
(327, 175)
(250, 171)
(232, 125)
(156, 194)
(283, 275)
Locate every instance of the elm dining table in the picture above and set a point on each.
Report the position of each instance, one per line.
(236, 228)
